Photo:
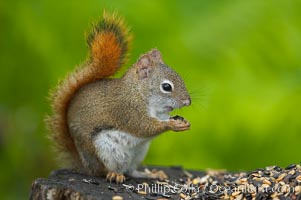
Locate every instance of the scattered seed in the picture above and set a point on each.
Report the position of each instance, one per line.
(188, 174)
(269, 168)
(298, 189)
(127, 187)
(215, 172)
(243, 180)
(181, 180)
(86, 181)
(239, 197)
(281, 183)
(265, 185)
(204, 179)
(196, 180)
(161, 183)
(117, 198)
(265, 181)
(235, 193)
(258, 179)
(290, 166)
(194, 195)
(280, 177)
(278, 169)
(298, 178)
(255, 175)
(90, 181)
(142, 192)
(115, 189)
(165, 195)
(183, 196)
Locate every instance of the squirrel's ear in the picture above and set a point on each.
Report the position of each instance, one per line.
(144, 66)
(156, 56)
(147, 62)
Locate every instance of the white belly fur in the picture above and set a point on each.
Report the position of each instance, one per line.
(119, 151)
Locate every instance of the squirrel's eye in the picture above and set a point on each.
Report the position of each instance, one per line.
(166, 87)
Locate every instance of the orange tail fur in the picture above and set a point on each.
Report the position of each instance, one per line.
(108, 43)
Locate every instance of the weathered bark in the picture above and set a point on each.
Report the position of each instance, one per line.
(268, 183)
(67, 184)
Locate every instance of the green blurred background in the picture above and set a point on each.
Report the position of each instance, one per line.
(241, 61)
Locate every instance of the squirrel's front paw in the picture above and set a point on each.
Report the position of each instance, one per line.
(113, 176)
(178, 123)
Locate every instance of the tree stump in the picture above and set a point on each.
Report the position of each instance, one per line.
(268, 183)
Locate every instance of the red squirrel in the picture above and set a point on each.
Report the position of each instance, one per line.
(103, 126)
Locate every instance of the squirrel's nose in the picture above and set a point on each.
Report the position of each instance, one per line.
(187, 102)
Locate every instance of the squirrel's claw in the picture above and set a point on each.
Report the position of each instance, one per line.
(113, 176)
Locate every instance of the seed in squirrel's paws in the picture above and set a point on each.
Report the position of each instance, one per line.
(177, 117)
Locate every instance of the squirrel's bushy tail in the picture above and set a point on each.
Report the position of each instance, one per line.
(108, 43)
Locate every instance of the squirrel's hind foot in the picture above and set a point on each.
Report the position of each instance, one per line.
(154, 174)
(115, 177)
(158, 174)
